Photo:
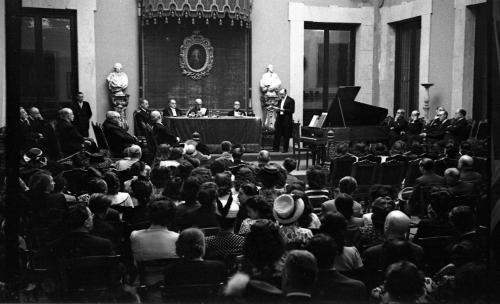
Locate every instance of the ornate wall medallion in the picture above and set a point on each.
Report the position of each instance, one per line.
(196, 57)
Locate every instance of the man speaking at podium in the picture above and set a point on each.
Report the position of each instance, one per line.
(197, 110)
(284, 121)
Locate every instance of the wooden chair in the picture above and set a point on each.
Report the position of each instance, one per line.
(364, 172)
(92, 278)
(296, 145)
(102, 142)
(483, 131)
(151, 272)
(192, 293)
(412, 173)
(341, 166)
(316, 203)
(435, 249)
(210, 231)
(391, 173)
(373, 158)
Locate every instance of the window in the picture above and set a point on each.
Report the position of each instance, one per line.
(328, 63)
(406, 78)
(49, 72)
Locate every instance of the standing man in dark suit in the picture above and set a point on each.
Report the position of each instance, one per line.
(160, 132)
(141, 116)
(284, 121)
(171, 110)
(118, 138)
(83, 113)
(236, 110)
(458, 129)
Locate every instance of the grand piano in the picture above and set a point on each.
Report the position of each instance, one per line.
(350, 121)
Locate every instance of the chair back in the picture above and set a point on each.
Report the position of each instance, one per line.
(472, 124)
(296, 132)
(89, 277)
(482, 130)
(480, 165)
(316, 202)
(341, 166)
(210, 231)
(102, 142)
(391, 173)
(364, 172)
(435, 249)
(412, 173)
(192, 292)
(374, 158)
(151, 272)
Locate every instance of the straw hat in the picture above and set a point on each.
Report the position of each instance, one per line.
(286, 210)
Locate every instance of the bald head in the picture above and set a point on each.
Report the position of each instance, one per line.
(451, 175)
(113, 116)
(190, 149)
(198, 101)
(66, 114)
(35, 113)
(397, 224)
(264, 157)
(155, 116)
(465, 161)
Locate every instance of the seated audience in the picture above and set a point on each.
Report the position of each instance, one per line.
(331, 284)
(133, 155)
(161, 133)
(269, 177)
(299, 276)
(104, 218)
(348, 258)
(457, 187)
(469, 245)
(467, 173)
(191, 267)
(419, 198)
(397, 226)
(344, 204)
(437, 223)
(188, 193)
(159, 178)
(119, 200)
(118, 139)
(316, 185)
(347, 185)
(308, 219)
(290, 164)
(71, 141)
(246, 190)
(256, 208)
(224, 244)
(200, 146)
(372, 233)
(78, 242)
(157, 241)
(404, 283)
(227, 202)
(287, 210)
(204, 216)
(226, 157)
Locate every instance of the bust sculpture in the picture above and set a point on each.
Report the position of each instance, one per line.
(270, 82)
(117, 81)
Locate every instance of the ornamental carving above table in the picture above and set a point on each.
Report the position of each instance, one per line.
(196, 57)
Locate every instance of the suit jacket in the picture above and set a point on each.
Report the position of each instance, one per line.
(168, 112)
(437, 130)
(399, 125)
(29, 135)
(141, 116)
(82, 117)
(118, 139)
(375, 257)
(421, 191)
(163, 135)
(69, 138)
(458, 129)
(415, 127)
(231, 113)
(288, 110)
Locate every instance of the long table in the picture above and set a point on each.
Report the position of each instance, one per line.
(214, 130)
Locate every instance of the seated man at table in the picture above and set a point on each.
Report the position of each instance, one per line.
(160, 132)
(171, 110)
(197, 110)
(236, 110)
(118, 139)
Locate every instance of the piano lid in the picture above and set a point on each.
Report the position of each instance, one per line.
(345, 112)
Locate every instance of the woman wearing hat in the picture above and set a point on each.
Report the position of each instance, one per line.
(287, 210)
(256, 208)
